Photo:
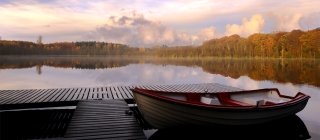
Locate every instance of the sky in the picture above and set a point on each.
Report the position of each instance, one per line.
(148, 23)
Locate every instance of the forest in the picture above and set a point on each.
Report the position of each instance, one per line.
(294, 44)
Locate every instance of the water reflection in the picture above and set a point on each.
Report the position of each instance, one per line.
(291, 128)
(289, 76)
(281, 71)
(38, 68)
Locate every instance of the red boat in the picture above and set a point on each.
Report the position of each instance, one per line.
(175, 109)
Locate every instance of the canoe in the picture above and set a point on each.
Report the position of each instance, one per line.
(163, 109)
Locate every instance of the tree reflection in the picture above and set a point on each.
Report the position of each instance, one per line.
(38, 68)
(296, 71)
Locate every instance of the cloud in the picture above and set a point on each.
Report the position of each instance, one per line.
(135, 30)
(287, 22)
(55, 20)
(291, 21)
(183, 22)
(310, 21)
(207, 33)
(249, 26)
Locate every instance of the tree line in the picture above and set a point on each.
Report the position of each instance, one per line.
(62, 48)
(294, 44)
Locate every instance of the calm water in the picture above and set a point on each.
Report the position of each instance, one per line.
(289, 76)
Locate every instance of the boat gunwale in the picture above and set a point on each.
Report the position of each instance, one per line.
(298, 98)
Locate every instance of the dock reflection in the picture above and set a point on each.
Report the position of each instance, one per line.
(291, 127)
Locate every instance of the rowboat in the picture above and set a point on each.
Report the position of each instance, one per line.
(164, 109)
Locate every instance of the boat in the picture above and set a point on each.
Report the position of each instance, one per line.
(163, 109)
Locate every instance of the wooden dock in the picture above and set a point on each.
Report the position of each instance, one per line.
(12, 99)
(108, 119)
(101, 112)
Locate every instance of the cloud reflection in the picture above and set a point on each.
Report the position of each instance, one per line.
(149, 74)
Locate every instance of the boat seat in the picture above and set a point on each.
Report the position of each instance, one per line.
(225, 99)
(193, 97)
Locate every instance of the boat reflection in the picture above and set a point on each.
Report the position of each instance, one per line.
(291, 127)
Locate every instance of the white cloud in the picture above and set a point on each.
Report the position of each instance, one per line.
(248, 26)
(135, 30)
(288, 22)
(193, 11)
(181, 20)
(56, 21)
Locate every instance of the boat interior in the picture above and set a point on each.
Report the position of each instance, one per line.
(251, 98)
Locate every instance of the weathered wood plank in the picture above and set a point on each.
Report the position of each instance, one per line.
(53, 96)
(123, 93)
(70, 96)
(44, 99)
(9, 95)
(23, 95)
(119, 94)
(111, 92)
(64, 95)
(6, 94)
(47, 94)
(156, 87)
(36, 96)
(81, 94)
(76, 94)
(18, 94)
(161, 88)
(128, 89)
(90, 93)
(127, 93)
(181, 88)
(33, 95)
(85, 94)
(108, 116)
(114, 93)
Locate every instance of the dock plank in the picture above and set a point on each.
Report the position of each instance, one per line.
(65, 94)
(5, 94)
(81, 94)
(23, 95)
(109, 93)
(18, 94)
(119, 94)
(127, 91)
(33, 95)
(70, 96)
(76, 94)
(123, 93)
(90, 93)
(47, 94)
(85, 121)
(8, 97)
(57, 97)
(54, 96)
(114, 93)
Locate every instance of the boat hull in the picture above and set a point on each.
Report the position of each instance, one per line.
(165, 114)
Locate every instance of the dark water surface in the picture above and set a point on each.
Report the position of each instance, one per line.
(289, 76)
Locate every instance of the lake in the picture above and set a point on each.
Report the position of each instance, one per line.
(288, 75)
